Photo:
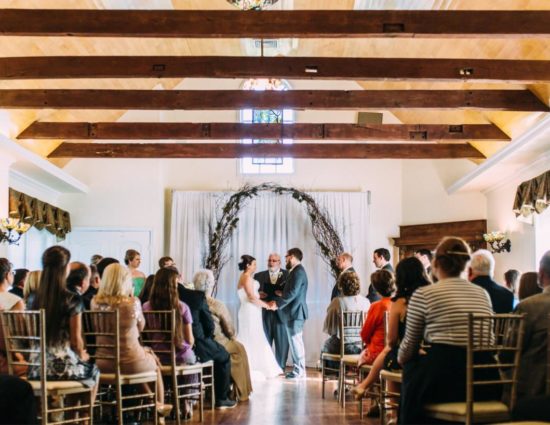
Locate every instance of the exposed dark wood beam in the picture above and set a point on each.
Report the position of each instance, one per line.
(233, 131)
(274, 24)
(239, 150)
(503, 100)
(273, 67)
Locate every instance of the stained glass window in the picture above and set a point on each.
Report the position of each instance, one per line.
(266, 165)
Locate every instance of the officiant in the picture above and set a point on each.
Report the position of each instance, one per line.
(272, 282)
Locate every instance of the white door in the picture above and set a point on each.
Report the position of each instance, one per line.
(83, 242)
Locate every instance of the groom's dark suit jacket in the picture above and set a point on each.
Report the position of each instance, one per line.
(292, 304)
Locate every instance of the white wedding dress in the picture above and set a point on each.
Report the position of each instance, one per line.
(251, 334)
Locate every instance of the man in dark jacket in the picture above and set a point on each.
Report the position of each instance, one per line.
(206, 348)
(480, 272)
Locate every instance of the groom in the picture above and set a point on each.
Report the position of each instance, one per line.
(292, 309)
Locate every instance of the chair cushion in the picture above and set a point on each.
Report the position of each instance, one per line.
(327, 356)
(167, 370)
(58, 385)
(391, 376)
(459, 408)
(139, 377)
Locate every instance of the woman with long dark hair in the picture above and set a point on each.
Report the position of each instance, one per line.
(410, 275)
(67, 358)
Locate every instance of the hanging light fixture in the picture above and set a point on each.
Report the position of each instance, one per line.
(252, 4)
(498, 242)
(11, 230)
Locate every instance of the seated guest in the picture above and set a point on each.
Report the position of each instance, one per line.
(115, 293)
(224, 333)
(437, 314)
(410, 274)
(19, 278)
(146, 290)
(78, 280)
(206, 348)
(528, 285)
(96, 258)
(164, 296)
(31, 286)
(372, 333)
(511, 278)
(349, 299)
(93, 287)
(17, 401)
(166, 262)
(133, 259)
(532, 370)
(66, 356)
(8, 302)
(103, 263)
(480, 272)
(425, 257)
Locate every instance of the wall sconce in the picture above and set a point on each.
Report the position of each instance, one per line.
(11, 230)
(497, 242)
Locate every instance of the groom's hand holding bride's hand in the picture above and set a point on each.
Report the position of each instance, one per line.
(272, 305)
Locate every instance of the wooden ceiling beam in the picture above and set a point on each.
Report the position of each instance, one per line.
(500, 100)
(274, 24)
(235, 131)
(55, 67)
(239, 150)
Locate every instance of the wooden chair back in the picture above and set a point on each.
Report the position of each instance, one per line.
(101, 330)
(351, 323)
(159, 334)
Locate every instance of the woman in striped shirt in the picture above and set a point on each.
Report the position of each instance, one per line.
(438, 315)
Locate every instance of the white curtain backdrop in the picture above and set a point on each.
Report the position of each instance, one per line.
(272, 223)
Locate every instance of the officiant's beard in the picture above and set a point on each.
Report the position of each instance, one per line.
(288, 265)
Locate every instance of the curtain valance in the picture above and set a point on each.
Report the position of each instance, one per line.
(533, 195)
(39, 214)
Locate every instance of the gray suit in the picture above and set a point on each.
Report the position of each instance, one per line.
(292, 310)
(532, 371)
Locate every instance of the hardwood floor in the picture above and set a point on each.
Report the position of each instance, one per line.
(280, 401)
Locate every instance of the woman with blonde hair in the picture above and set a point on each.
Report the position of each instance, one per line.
(30, 288)
(115, 293)
(224, 334)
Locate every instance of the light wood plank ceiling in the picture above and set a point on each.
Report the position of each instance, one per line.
(12, 122)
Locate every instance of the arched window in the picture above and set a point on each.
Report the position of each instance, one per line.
(266, 165)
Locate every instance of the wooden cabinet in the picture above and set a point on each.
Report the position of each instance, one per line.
(414, 237)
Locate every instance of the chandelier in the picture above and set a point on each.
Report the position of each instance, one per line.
(252, 4)
(11, 230)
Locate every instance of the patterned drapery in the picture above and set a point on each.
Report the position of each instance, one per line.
(533, 195)
(39, 214)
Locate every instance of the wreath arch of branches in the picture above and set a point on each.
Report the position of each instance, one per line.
(328, 240)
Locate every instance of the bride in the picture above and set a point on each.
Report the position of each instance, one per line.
(250, 326)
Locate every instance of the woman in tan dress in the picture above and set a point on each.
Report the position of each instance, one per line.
(115, 292)
(224, 333)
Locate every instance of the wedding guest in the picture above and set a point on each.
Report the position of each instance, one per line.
(66, 356)
(528, 285)
(103, 263)
(372, 333)
(532, 371)
(92, 288)
(349, 300)
(19, 278)
(511, 278)
(133, 259)
(164, 296)
(206, 348)
(31, 286)
(115, 293)
(96, 258)
(480, 272)
(146, 290)
(344, 262)
(437, 315)
(166, 262)
(8, 302)
(224, 333)
(425, 256)
(17, 401)
(381, 259)
(78, 280)
(410, 274)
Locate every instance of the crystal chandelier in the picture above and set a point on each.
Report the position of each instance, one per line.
(252, 4)
(11, 230)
